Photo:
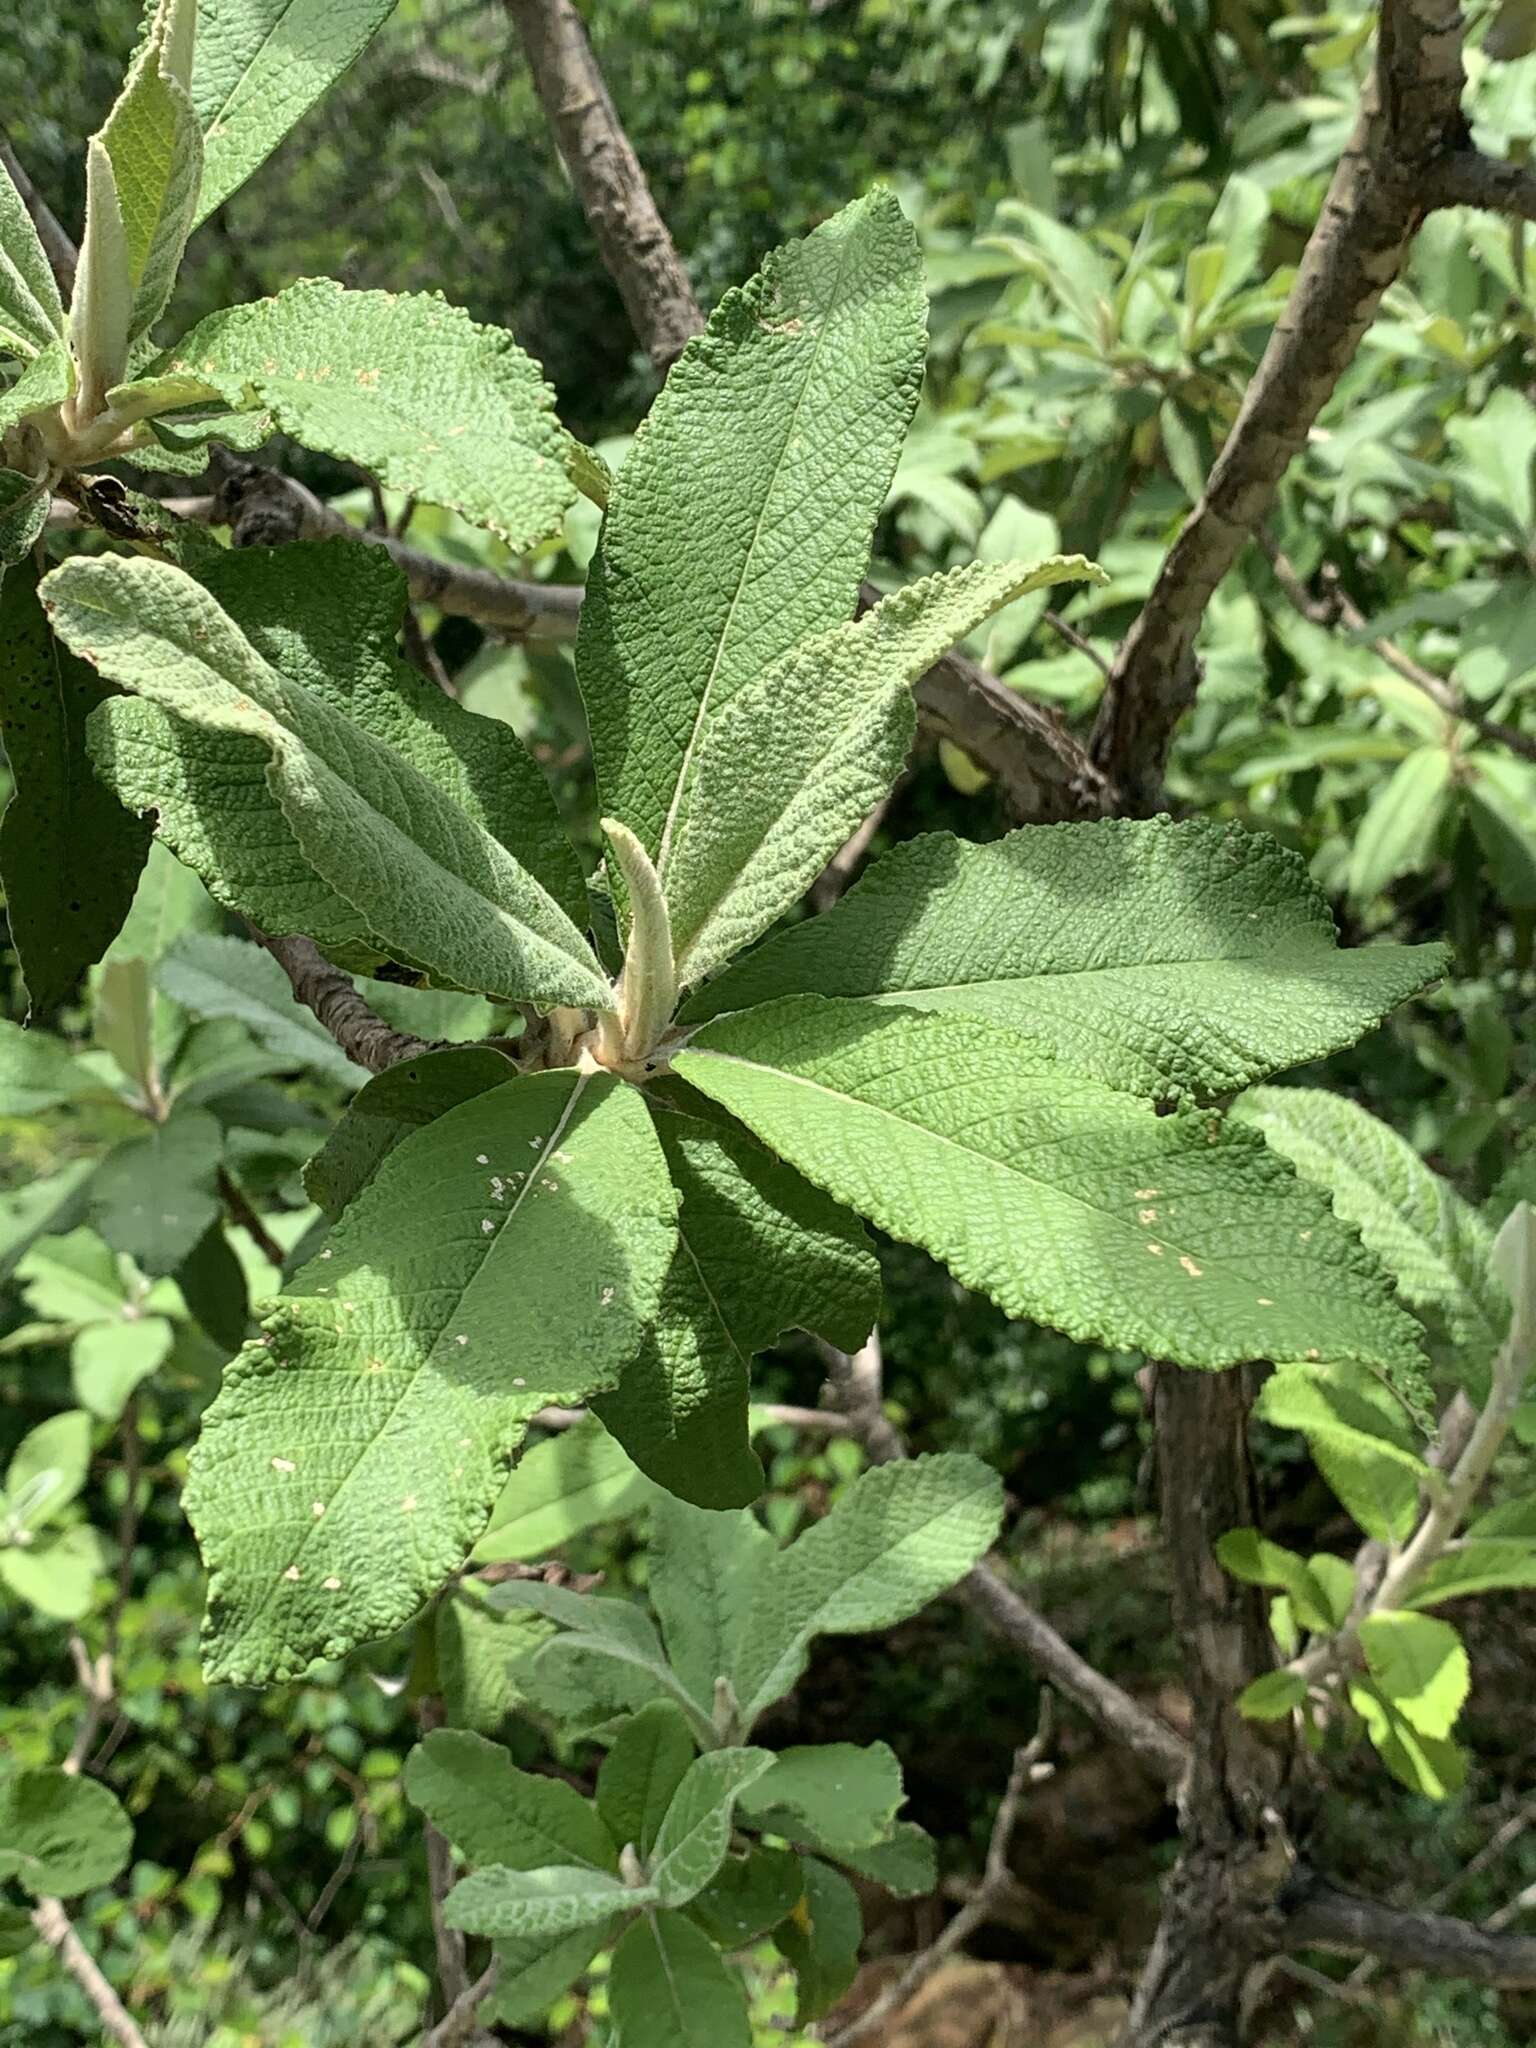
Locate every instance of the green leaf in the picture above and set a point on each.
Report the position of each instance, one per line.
(153, 1197)
(1398, 832)
(17, 1934)
(31, 312)
(492, 1812)
(601, 1630)
(1160, 958)
(70, 855)
(898, 1536)
(404, 1098)
(705, 1573)
(1485, 1565)
(428, 882)
(44, 384)
(328, 614)
(54, 1203)
(695, 1831)
(155, 146)
(124, 1023)
(1273, 1696)
(57, 1576)
(48, 1469)
(571, 1482)
(60, 1834)
(748, 1896)
(907, 1864)
(215, 975)
(108, 1360)
(1420, 1665)
(1257, 1562)
(535, 1972)
(801, 754)
(1433, 1243)
(73, 1279)
(405, 385)
(846, 1795)
(820, 1940)
(355, 1451)
(538, 1904)
(759, 1251)
(24, 504)
(1336, 1577)
(212, 1282)
(668, 1988)
(260, 66)
(39, 1071)
(1358, 1432)
(1426, 1764)
(648, 1760)
(741, 520)
(1064, 1200)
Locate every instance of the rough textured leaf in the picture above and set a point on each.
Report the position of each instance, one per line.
(641, 1772)
(407, 386)
(1434, 1244)
(101, 305)
(31, 312)
(328, 614)
(901, 1534)
(538, 1904)
(847, 1795)
(668, 1988)
(705, 1572)
(799, 756)
(572, 1481)
(1361, 1437)
(45, 382)
(1161, 958)
(506, 1256)
(425, 879)
(155, 146)
(153, 1197)
(611, 1630)
(70, 855)
(404, 1098)
(741, 520)
(492, 1812)
(1064, 1200)
(23, 511)
(59, 1833)
(1419, 1664)
(759, 1251)
(259, 68)
(695, 1831)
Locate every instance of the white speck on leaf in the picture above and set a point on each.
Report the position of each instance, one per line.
(284, 1465)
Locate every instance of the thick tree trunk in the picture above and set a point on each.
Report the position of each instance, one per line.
(1221, 1918)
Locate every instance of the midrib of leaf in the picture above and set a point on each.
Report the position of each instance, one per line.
(23, 343)
(664, 850)
(234, 91)
(861, 1103)
(550, 1145)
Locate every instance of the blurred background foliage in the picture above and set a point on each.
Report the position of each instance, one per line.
(1112, 195)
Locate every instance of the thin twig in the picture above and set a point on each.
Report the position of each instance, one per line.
(240, 1212)
(1068, 632)
(458, 2022)
(1029, 1768)
(1337, 607)
(56, 1928)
